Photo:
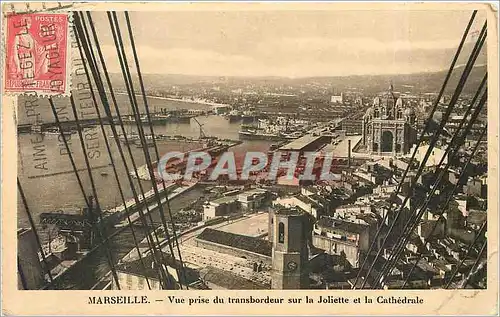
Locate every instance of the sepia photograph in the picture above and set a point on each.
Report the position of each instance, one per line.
(260, 149)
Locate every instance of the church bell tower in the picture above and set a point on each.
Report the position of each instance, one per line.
(290, 249)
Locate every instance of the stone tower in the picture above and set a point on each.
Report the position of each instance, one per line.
(290, 249)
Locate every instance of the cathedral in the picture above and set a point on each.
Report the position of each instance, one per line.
(389, 126)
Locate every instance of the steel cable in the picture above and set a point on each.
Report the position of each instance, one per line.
(420, 140)
(433, 141)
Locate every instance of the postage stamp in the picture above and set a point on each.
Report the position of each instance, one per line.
(37, 58)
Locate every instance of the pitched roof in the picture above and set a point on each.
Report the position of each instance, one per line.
(238, 241)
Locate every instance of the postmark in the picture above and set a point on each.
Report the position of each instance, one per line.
(37, 58)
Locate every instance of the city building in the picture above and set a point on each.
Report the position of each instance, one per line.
(388, 126)
(305, 203)
(220, 207)
(253, 199)
(338, 237)
(251, 248)
(337, 98)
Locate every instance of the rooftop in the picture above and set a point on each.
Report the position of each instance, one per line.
(229, 280)
(290, 211)
(253, 192)
(224, 200)
(148, 270)
(238, 241)
(300, 143)
(346, 226)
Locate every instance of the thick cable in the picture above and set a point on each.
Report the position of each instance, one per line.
(420, 140)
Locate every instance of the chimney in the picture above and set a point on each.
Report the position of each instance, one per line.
(349, 153)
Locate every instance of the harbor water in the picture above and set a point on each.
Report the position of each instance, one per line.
(60, 190)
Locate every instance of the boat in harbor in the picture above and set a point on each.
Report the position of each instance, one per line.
(162, 117)
(234, 116)
(267, 130)
(254, 135)
(130, 139)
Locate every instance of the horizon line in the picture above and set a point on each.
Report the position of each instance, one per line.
(305, 76)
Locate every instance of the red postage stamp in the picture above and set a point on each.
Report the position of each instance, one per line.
(37, 53)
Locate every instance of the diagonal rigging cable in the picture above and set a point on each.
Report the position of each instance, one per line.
(480, 233)
(122, 196)
(94, 189)
(131, 94)
(452, 192)
(413, 219)
(135, 109)
(33, 227)
(124, 133)
(420, 140)
(457, 144)
(108, 112)
(409, 229)
(472, 272)
(406, 232)
(80, 184)
(156, 253)
(104, 240)
(132, 44)
(99, 83)
(102, 94)
(433, 141)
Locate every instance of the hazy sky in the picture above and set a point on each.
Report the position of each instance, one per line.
(292, 43)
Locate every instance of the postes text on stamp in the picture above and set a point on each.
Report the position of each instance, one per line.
(37, 54)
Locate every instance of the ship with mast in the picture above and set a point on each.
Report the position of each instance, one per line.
(279, 129)
(162, 116)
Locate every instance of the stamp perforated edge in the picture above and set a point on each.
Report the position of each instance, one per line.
(69, 56)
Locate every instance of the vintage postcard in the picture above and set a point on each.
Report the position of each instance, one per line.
(263, 158)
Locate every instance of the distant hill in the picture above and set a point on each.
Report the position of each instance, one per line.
(417, 82)
(414, 83)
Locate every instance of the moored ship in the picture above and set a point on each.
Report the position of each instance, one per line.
(162, 117)
(277, 130)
